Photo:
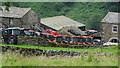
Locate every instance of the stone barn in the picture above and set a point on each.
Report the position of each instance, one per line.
(71, 31)
(61, 24)
(2, 26)
(19, 17)
(110, 27)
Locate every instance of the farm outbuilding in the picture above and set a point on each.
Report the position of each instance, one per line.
(71, 31)
(58, 22)
(110, 27)
(19, 17)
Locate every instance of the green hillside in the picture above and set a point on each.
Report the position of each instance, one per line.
(89, 13)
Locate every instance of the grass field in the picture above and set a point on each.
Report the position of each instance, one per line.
(60, 48)
(16, 59)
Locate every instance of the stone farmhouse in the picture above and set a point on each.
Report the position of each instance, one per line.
(19, 17)
(110, 27)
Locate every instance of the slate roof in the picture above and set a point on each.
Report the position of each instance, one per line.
(58, 22)
(112, 17)
(65, 31)
(14, 12)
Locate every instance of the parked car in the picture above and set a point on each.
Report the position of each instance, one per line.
(97, 42)
(110, 43)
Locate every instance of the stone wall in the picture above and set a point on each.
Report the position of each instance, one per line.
(29, 51)
(38, 52)
(37, 41)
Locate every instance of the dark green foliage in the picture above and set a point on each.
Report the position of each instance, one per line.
(89, 13)
(68, 3)
(16, 4)
(7, 4)
(94, 22)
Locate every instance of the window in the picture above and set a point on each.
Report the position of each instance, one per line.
(15, 31)
(115, 28)
(114, 41)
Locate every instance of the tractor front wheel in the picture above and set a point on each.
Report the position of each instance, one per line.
(12, 40)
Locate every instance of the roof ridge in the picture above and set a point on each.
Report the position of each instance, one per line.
(111, 17)
(15, 12)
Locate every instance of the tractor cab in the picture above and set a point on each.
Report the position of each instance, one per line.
(87, 40)
(49, 37)
(10, 32)
(81, 40)
(61, 38)
(67, 40)
(28, 32)
(25, 32)
(9, 35)
(51, 32)
(76, 40)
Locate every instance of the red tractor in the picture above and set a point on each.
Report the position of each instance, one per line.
(9, 35)
(48, 37)
(61, 38)
(87, 40)
(81, 40)
(90, 32)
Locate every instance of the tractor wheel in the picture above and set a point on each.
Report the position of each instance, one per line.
(12, 40)
(5, 41)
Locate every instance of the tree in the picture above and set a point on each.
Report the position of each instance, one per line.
(7, 4)
(68, 3)
(94, 22)
(16, 4)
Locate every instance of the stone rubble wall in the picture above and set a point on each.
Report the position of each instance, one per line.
(38, 52)
(37, 41)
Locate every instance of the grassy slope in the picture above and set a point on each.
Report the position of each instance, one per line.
(15, 59)
(59, 48)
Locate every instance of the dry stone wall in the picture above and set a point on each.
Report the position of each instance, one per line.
(37, 41)
(38, 52)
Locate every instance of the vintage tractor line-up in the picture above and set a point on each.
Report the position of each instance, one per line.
(10, 36)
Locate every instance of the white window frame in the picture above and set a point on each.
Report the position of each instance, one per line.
(114, 28)
(114, 38)
(11, 21)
